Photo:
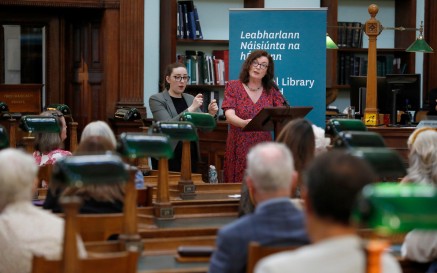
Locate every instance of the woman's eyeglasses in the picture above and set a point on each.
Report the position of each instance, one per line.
(180, 78)
(262, 66)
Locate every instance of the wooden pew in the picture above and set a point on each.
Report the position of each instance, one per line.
(257, 252)
(71, 263)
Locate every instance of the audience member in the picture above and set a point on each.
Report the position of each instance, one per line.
(49, 146)
(99, 198)
(171, 103)
(101, 128)
(276, 221)
(331, 184)
(419, 245)
(25, 230)
(244, 98)
(422, 158)
(300, 137)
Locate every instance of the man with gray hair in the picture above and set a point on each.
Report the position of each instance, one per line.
(25, 230)
(276, 221)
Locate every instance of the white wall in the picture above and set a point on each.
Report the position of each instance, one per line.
(151, 50)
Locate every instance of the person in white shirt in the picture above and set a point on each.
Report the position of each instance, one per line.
(25, 230)
(331, 184)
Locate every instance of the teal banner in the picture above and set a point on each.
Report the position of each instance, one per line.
(296, 39)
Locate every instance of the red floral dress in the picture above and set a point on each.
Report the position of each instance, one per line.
(239, 142)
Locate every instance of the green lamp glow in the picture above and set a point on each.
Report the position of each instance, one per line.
(394, 207)
(330, 43)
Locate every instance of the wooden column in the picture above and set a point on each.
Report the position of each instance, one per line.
(130, 237)
(185, 185)
(70, 258)
(131, 92)
(162, 205)
(372, 28)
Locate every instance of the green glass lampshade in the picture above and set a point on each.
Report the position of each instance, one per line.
(330, 43)
(3, 107)
(39, 124)
(63, 108)
(90, 169)
(394, 207)
(334, 126)
(137, 145)
(387, 163)
(420, 45)
(200, 120)
(4, 139)
(351, 139)
(181, 130)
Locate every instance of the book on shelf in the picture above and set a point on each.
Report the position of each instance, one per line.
(350, 34)
(191, 22)
(199, 34)
(223, 55)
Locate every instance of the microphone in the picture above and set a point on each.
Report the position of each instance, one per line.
(275, 85)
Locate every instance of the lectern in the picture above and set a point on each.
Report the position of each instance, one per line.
(273, 118)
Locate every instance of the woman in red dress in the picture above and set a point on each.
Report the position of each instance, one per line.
(243, 99)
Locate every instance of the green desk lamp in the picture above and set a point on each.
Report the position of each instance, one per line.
(202, 121)
(37, 124)
(103, 169)
(386, 162)
(334, 126)
(351, 139)
(135, 145)
(4, 139)
(186, 132)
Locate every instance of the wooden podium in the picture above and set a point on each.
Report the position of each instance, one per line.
(274, 118)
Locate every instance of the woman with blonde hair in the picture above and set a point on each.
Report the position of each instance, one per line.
(421, 245)
(423, 156)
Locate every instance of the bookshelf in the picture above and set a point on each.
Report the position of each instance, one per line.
(404, 15)
(215, 34)
(212, 144)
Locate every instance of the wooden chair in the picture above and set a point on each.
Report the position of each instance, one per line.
(44, 174)
(257, 252)
(125, 261)
(100, 227)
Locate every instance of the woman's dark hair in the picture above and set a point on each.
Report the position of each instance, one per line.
(167, 72)
(267, 81)
(298, 135)
(47, 142)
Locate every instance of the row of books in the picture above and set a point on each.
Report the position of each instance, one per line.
(356, 65)
(206, 69)
(188, 23)
(350, 34)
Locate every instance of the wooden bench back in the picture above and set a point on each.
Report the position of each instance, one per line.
(122, 262)
(100, 227)
(257, 252)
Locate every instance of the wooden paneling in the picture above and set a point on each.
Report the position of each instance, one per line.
(430, 60)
